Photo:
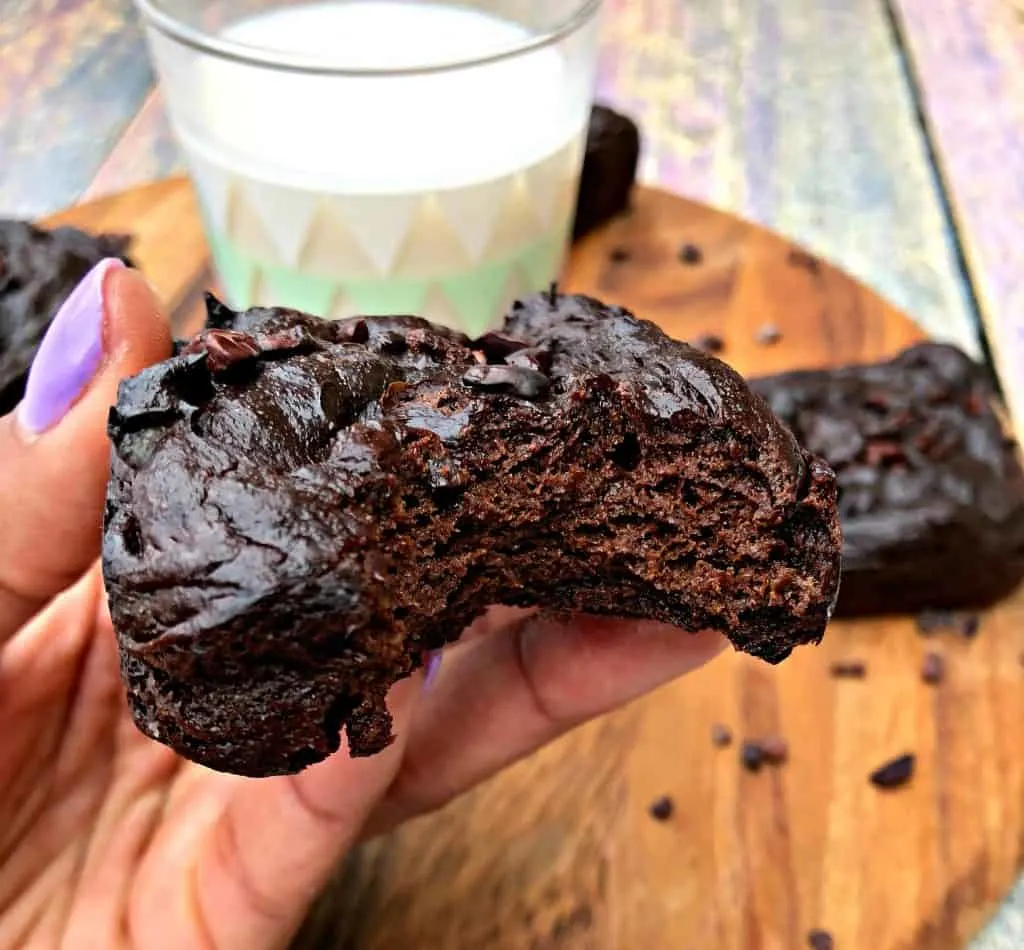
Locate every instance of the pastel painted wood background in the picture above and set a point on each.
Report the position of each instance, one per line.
(798, 114)
(887, 135)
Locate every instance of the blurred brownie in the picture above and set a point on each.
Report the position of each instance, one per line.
(931, 491)
(609, 169)
(38, 271)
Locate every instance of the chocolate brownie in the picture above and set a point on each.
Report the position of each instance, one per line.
(609, 169)
(300, 510)
(931, 493)
(38, 271)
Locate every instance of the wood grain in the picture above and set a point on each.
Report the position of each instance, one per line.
(72, 74)
(559, 853)
(968, 61)
(797, 115)
(168, 242)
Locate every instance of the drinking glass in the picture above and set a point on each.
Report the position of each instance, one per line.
(381, 156)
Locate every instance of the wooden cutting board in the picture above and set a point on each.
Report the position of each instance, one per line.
(560, 853)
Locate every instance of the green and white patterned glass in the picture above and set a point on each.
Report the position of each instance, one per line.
(381, 156)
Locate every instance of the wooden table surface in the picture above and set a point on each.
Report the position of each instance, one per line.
(887, 135)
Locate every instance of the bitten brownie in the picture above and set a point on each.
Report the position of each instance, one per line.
(299, 510)
(609, 169)
(38, 271)
(931, 493)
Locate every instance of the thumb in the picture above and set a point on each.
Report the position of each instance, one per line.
(54, 454)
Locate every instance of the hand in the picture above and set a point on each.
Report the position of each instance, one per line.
(108, 840)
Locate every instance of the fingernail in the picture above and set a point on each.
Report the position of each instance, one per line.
(433, 667)
(70, 354)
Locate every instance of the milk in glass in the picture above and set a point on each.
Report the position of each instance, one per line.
(446, 193)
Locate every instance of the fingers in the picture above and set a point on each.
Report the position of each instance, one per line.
(54, 453)
(497, 698)
(278, 840)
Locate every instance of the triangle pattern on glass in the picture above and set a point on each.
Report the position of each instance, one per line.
(542, 262)
(438, 308)
(213, 186)
(300, 291)
(341, 307)
(286, 213)
(545, 180)
(247, 231)
(431, 247)
(516, 287)
(564, 207)
(387, 297)
(332, 251)
(516, 225)
(473, 211)
(262, 294)
(379, 223)
(234, 273)
(476, 296)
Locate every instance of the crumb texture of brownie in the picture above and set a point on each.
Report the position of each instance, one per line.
(931, 491)
(301, 510)
(38, 271)
(609, 169)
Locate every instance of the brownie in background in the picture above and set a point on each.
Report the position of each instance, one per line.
(609, 169)
(38, 271)
(931, 491)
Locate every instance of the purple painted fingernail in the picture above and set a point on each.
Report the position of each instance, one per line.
(69, 355)
(433, 667)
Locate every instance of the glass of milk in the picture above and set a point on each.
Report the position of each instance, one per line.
(381, 156)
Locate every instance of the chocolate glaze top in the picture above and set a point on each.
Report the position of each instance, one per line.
(381, 371)
(682, 381)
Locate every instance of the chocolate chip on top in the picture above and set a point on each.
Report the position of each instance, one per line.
(223, 348)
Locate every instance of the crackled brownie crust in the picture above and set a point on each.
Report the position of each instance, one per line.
(609, 169)
(931, 493)
(38, 271)
(300, 509)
